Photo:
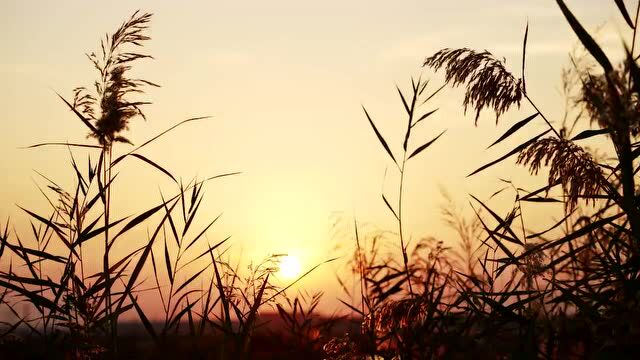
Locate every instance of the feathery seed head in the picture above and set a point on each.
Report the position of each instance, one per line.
(488, 83)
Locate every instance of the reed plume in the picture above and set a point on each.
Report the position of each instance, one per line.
(111, 110)
(609, 100)
(488, 83)
(570, 164)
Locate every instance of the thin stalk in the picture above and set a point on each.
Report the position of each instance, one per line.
(542, 115)
(173, 276)
(524, 232)
(402, 243)
(633, 39)
(410, 123)
(44, 322)
(106, 173)
(74, 287)
(360, 267)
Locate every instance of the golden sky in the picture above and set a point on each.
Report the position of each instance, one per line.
(284, 82)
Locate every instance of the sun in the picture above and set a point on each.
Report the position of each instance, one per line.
(289, 267)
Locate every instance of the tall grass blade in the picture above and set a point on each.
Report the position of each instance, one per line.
(510, 153)
(389, 206)
(138, 220)
(82, 118)
(66, 144)
(625, 13)
(380, 138)
(585, 38)
(524, 57)
(167, 262)
(514, 128)
(155, 165)
(590, 133)
(143, 317)
(423, 147)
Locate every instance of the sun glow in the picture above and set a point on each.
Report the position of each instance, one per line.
(289, 267)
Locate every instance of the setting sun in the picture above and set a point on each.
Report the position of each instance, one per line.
(289, 267)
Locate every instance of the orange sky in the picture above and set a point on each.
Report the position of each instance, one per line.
(284, 82)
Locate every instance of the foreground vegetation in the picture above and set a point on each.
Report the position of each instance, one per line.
(570, 291)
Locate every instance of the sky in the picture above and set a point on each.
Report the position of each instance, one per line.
(284, 82)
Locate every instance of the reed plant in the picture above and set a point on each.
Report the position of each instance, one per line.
(75, 313)
(568, 291)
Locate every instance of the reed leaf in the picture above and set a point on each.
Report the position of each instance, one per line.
(380, 138)
(509, 154)
(515, 127)
(424, 146)
(585, 38)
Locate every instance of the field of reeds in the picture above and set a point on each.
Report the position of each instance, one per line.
(569, 291)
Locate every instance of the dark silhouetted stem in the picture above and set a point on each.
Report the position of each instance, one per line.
(113, 323)
(405, 259)
(542, 115)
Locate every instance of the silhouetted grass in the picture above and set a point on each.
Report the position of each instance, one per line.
(76, 313)
(571, 290)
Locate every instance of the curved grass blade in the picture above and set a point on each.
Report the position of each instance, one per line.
(533, 236)
(167, 261)
(514, 128)
(193, 277)
(145, 321)
(404, 102)
(540, 199)
(524, 56)
(139, 219)
(421, 148)
(88, 234)
(202, 232)
(492, 236)
(52, 226)
(155, 165)
(157, 136)
(540, 190)
(29, 280)
(625, 14)
(21, 251)
(84, 120)
(389, 206)
(426, 115)
(223, 175)
(503, 224)
(177, 318)
(380, 138)
(574, 235)
(34, 298)
(590, 133)
(510, 153)
(585, 38)
(143, 257)
(62, 144)
(172, 225)
(112, 316)
(209, 250)
(581, 232)
(434, 93)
